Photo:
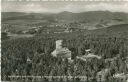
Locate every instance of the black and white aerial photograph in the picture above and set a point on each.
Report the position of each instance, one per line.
(64, 41)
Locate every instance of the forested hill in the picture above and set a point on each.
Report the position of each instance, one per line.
(25, 16)
(91, 16)
(15, 53)
(118, 28)
(114, 28)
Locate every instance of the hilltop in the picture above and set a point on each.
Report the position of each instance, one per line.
(90, 16)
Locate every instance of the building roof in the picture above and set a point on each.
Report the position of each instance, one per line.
(88, 50)
(103, 72)
(120, 75)
(93, 56)
(63, 52)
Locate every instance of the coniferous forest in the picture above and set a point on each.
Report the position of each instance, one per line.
(16, 51)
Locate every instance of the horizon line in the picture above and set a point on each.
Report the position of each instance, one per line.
(65, 11)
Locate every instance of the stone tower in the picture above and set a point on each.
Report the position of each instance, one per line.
(59, 44)
(61, 51)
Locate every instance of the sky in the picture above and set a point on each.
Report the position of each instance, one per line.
(59, 6)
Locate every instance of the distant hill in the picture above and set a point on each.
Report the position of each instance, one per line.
(118, 28)
(25, 16)
(88, 20)
(91, 16)
(11, 15)
(114, 30)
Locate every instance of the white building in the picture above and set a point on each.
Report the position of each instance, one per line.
(87, 55)
(61, 51)
(121, 77)
(101, 75)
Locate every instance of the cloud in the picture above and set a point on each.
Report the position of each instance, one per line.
(59, 7)
(33, 8)
(110, 7)
(97, 7)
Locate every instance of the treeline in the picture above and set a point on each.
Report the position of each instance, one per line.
(38, 49)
